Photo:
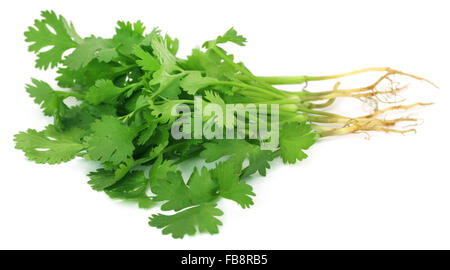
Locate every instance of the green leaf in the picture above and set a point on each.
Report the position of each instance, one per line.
(83, 115)
(230, 186)
(201, 186)
(127, 36)
(194, 81)
(83, 78)
(124, 168)
(101, 179)
(77, 116)
(147, 133)
(163, 112)
(111, 141)
(41, 37)
(104, 91)
(214, 97)
(172, 44)
(231, 36)
(194, 61)
(159, 170)
(50, 145)
(168, 85)
(51, 102)
(258, 162)
(236, 150)
(201, 218)
(89, 49)
(212, 64)
(163, 54)
(294, 138)
(147, 62)
(172, 189)
(107, 55)
(160, 139)
(132, 187)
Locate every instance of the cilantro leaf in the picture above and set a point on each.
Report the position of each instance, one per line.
(146, 124)
(163, 112)
(160, 140)
(172, 189)
(124, 168)
(231, 36)
(258, 162)
(51, 102)
(107, 55)
(230, 186)
(83, 115)
(111, 141)
(201, 218)
(172, 44)
(147, 61)
(41, 37)
(101, 179)
(214, 97)
(50, 145)
(194, 82)
(147, 133)
(104, 91)
(127, 36)
(168, 86)
(163, 54)
(132, 187)
(212, 64)
(80, 80)
(89, 49)
(294, 138)
(77, 116)
(159, 170)
(201, 186)
(236, 150)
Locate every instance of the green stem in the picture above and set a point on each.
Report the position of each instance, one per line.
(325, 104)
(133, 86)
(305, 78)
(281, 101)
(253, 94)
(242, 69)
(307, 110)
(70, 94)
(253, 88)
(231, 62)
(283, 79)
(123, 69)
(277, 153)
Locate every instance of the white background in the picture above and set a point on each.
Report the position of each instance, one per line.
(389, 192)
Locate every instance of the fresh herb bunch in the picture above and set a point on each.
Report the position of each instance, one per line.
(127, 86)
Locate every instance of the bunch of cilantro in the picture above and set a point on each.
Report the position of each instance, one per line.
(126, 87)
